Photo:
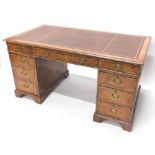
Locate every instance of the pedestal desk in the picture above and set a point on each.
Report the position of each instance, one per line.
(39, 60)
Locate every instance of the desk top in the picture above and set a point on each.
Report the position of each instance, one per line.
(114, 46)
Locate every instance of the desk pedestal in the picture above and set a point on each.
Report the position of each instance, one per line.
(36, 77)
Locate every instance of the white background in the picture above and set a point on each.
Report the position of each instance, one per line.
(63, 123)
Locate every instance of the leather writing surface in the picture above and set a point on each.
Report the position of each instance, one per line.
(127, 46)
(79, 39)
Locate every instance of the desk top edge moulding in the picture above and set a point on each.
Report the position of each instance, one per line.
(39, 60)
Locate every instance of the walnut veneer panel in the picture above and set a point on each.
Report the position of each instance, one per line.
(20, 60)
(118, 81)
(116, 96)
(114, 111)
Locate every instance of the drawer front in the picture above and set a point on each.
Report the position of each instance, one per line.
(23, 73)
(49, 54)
(19, 48)
(23, 61)
(81, 60)
(114, 111)
(26, 86)
(115, 96)
(67, 57)
(117, 81)
(120, 67)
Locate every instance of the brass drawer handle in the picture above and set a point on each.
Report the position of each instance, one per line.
(115, 96)
(82, 60)
(26, 85)
(22, 60)
(116, 80)
(113, 109)
(117, 66)
(19, 49)
(23, 72)
(46, 53)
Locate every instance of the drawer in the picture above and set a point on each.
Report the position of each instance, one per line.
(23, 73)
(114, 111)
(49, 54)
(67, 57)
(81, 60)
(23, 61)
(120, 66)
(26, 86)
(117, 81)
(19, 48)
(116, 96)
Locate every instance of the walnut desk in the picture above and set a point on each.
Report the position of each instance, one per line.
(39, 56)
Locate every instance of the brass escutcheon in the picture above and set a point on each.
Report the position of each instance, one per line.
(82, 60)
(19, 49)
(113, 110)
(22, 60)
(117, 66)
(26, 85)
(116, 80)
(23, 72)
(46, 53)
(115, 96)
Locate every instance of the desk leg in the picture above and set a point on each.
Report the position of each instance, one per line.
(98, 119)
